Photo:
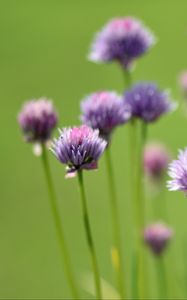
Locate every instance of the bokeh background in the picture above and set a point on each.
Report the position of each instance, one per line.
(43, 49)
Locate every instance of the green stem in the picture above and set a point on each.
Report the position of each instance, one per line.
(160, 201)
(140, 211)
(58, 225)
(89, 237)
(140, 176)
(127, 78)
(133, 163)
(161, 278)
(118, 261)
(133, 196)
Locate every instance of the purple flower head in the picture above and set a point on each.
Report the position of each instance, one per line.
(147, 102)
(178, 173)
(156, 159)
(104, 111)
(122, 40)
(37, 119)
(78, 148)
(157, 237)
(183, 82)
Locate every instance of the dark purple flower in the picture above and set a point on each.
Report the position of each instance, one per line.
(78, 148)
(147, 102)
(122, 40)
(156, 159)
(178, 173)
(157, 237)
(37, 119)
(104, 111)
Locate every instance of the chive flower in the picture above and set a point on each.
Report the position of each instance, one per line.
(147, 102)
(178, 172)
(104, 111)
(122, 40)
(157, 237)
(156, 160)
(79, 148)
(183, 83)
(37, 119)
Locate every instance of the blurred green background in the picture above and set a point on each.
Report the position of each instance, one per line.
(43, 48)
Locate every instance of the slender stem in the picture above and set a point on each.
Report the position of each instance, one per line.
(144, 134)
(132, 142)
(137, 209)
(161, 278)
(133, 163)
(140, 176)
(89, 237)
(140, 210)
(116, 225)
(127, 78)
(58, 225)
(160, 201)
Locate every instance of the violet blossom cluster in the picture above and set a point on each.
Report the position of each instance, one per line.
(122, 40)
(178, 172)
(104, 111)
(148, 102)
(37, 119)
(78, 148)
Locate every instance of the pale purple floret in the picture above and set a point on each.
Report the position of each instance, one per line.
(147, 102)
(37, 119)
(157, 237)
(156, 160)
(79, 148)
(178, 172)
(122, 40)
(183, 82)
(104, 111)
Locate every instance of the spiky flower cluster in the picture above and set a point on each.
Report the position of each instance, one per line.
(79, 148)
(147, 102)
(122, 40)
(157, 237)
(37, 119)
(178, 173)
(104, 111)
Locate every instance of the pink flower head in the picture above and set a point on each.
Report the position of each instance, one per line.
(183, 82)
(156, 159)
(37, 119)
(157, 237)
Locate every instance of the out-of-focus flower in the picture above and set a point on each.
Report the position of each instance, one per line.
(37, 119)
(122, 40)
(78, 148)
(156, 160)
(183, 82)
(157, 237)
(147, 102)
(178, 172)
(104, 111)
